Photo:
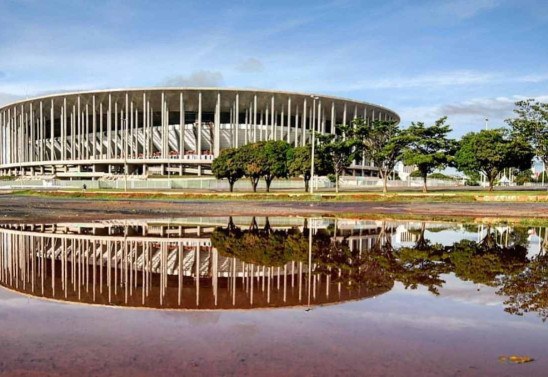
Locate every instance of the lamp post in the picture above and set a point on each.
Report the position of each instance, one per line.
(312, 128)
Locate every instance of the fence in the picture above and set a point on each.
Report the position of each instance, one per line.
(210, 183)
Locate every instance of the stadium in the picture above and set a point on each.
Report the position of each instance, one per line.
(161, 131)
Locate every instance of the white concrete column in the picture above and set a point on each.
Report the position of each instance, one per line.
(144, 128)
(79, 126)
(282, 122)
(101, 131)
(94, 129)
(345, 110)
(130, 131)
(32, 135)
(162, 125)
(86, 131)
(237, 120)
(109, 127)
(116, 136)
(296, 129)
(181, 126)
(255, 118)
(2, 144)
(288, 120)
(303, 123)
(42, 133)
(320, 117)
(246, 125)
(217, 130)
(272, 120)
(126, 124)
(51, 124)
(199, 141)
(333, 118)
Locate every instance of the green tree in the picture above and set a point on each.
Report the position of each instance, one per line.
(228, 165)
(339, 149)
(299, 163)
(253, 162)
(428, 148)
(383, 143)
(490, 152)
(523, 176)
(276, 162)
(531, 124)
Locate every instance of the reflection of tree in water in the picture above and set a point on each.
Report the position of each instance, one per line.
(485, 262)
(499, 259)
(265, 247)
(527, 291)
(350, 267)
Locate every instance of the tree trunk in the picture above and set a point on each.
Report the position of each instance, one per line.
(306, 185)
(336, 182)
(490, 178)
(268, 182)
(231, 185)
(384, 182)
(424, 186)
(254, 183)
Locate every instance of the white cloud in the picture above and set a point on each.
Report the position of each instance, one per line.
(445, 79)
(432, 80)
(196, 79)
(250, 65)
(464, 9)
(6, 98)
(465, 115)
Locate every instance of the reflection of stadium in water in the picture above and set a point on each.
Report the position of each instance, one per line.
(170, 264)
(244, 262)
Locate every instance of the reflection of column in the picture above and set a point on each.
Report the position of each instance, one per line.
(309, 260)
(285, 282)
(215, 267)
(234, 281)
(52, 251)
(180, 273)
(268, 285)
(252, 283)
(197, 272)
(300, 281)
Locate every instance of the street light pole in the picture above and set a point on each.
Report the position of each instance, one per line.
(313, 129)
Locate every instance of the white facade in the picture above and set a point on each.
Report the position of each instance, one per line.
(175, 130)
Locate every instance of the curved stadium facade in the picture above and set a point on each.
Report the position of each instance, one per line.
(162, 130)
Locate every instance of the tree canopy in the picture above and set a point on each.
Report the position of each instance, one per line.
(275, 158)
(382, 142)
(490, 152)
(428, 148)
(531, 124)
(228, 166)
(340, 149)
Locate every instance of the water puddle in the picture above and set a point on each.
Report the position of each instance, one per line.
(440, 285)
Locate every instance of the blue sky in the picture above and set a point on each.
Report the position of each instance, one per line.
(468, 59)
